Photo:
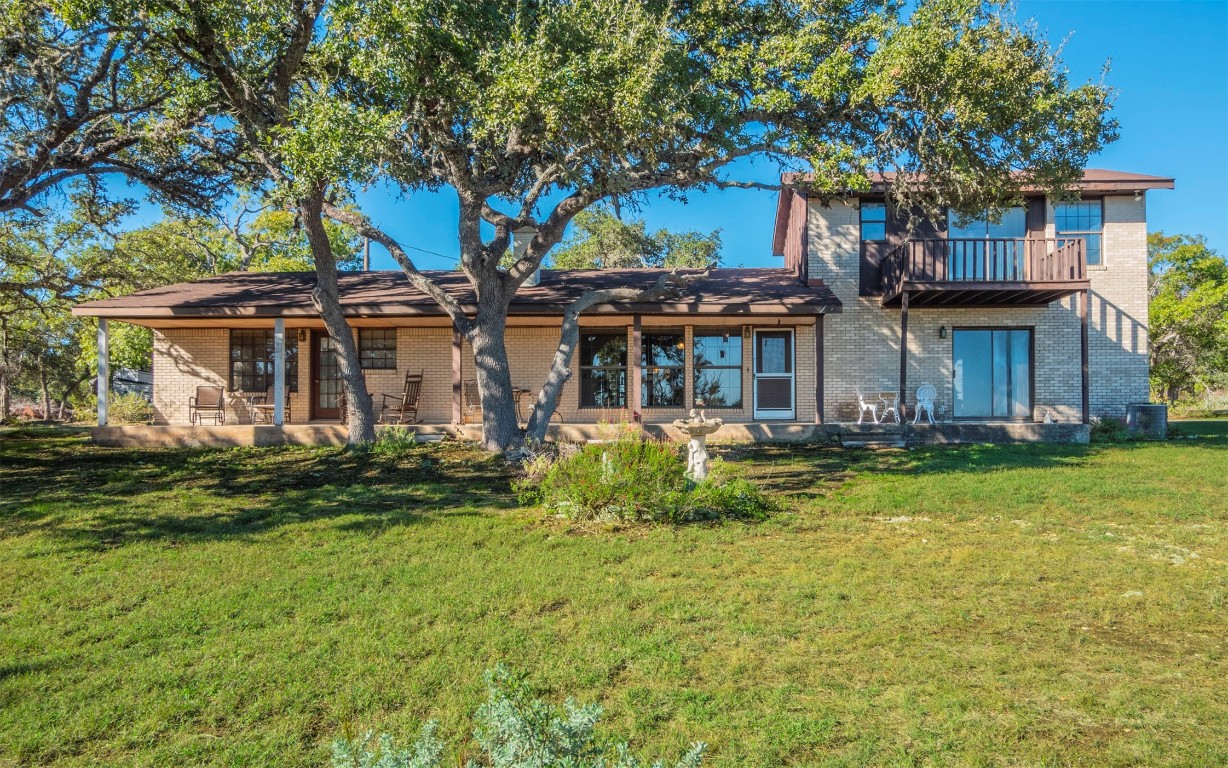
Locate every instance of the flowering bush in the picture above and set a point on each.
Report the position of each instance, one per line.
(631, 479)
(514, 730)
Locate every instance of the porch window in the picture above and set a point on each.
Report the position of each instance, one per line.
(377, 348)
(251, 361)
(718, 370)
(1085, 219)
(664, 363)
(603, 370)
(873, 221)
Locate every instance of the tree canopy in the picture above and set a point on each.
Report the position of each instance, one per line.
(1188, 315)
(534, 112)
(601, 240)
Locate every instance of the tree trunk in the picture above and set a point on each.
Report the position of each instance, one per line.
(560, 373)
(6, 396)
(500, 428)
(327, 300)
(42, 382)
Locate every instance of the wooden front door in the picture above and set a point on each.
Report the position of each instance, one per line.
(325, 377)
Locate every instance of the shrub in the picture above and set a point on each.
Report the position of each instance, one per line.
(128, 408)
(1107, 429)
(513, 730)
(1207, 404)
(630, 479)
(394, 441)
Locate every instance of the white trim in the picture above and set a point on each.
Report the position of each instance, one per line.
(773, 413)
(279, 372)
(104, 372)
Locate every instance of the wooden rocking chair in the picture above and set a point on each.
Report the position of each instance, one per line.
(405, 405)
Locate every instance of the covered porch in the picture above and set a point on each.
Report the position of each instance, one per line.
(746, 347)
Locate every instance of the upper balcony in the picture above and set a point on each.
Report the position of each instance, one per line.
(984, 272)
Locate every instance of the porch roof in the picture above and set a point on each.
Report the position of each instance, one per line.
(389, 294)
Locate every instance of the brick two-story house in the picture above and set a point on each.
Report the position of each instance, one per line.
(1030, 325)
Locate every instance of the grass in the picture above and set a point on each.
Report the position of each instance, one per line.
(998, 606)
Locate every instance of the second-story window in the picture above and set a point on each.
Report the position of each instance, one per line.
(1013, 225)
(1085, 219)
(873, 221)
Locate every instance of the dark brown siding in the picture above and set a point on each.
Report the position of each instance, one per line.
(897, 231)
(795, 236)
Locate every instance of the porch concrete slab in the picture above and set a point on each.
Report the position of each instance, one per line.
(850, 435)
(950, 433)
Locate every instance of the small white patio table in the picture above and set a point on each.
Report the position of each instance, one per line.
(891, 404)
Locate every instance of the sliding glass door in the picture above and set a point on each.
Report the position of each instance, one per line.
(993, 373)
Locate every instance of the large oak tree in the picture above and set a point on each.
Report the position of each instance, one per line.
(534, 112)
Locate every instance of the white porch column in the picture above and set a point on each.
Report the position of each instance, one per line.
(104, 370)
(279, 372)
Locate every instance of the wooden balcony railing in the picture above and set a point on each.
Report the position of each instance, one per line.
(1012, 263)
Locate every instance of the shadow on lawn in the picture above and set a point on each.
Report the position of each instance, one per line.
(809, 471)
(104, 497)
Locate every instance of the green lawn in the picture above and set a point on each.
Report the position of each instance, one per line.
(1007, 606)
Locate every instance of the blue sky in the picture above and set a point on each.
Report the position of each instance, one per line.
(1169, 61)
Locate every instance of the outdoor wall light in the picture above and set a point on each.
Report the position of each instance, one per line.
(302, 334)
(942, 332)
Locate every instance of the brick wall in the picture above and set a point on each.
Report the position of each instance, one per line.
(862, 345)
(186, 358)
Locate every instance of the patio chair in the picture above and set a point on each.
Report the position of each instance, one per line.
(405, 405)
(261, 407)
(891, 406)
(209, 402)
(925, 401)
(866, 406)
(471, 397)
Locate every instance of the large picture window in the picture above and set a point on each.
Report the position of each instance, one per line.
(718, 370)
(1085, 219)
(603, 370)
(664, 362)
(377, 348)
(251, 361)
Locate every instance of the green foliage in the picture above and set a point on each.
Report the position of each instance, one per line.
(367, 751)
(1110, 429)
(601, 240)
(395, 440)
(630, 479)
(514, 730)
(126, 408)
(1206, 404)
(1188, 315)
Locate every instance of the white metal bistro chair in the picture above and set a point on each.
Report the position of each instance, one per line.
(925, 401)
(864, 406)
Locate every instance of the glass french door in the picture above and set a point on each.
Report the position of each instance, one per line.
(325, 378)
(993, 373)
(774, 374)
